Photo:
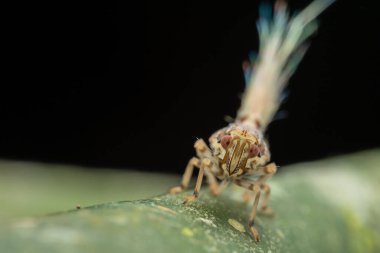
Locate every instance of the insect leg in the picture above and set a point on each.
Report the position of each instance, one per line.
(206, 163)
(247, 196)
(212, 182)
(216, 188)
(266, 210)
(202, 150)
(194, 162)
(269, 170)
(255, 187)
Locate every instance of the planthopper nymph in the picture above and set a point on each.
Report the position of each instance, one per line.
(238, 153)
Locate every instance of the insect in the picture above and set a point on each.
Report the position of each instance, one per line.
(238, 153)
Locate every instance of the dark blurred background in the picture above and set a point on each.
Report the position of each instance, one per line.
(103, 84)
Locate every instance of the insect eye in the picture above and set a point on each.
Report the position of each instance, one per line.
(253, 150)
(226, 140)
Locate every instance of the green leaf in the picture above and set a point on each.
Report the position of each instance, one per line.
(326, 206)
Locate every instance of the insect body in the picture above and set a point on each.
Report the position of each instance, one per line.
(239, 153)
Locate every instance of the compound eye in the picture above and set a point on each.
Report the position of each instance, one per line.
(253, 150)
(226, 140)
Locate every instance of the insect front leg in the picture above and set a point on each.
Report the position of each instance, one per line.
(205, 155)
(255, 188)
(211, 168)
(205, 164)
(200, 148)
(193, 162)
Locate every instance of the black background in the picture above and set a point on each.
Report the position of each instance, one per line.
(131, 86)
